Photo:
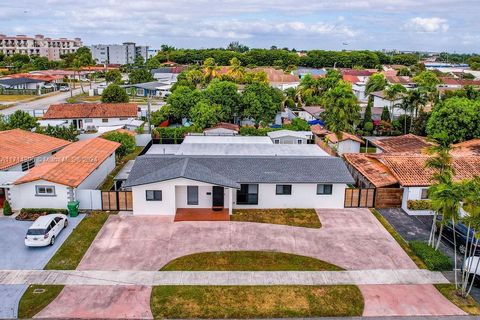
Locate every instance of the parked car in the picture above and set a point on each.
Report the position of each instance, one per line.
(45, 230)
(461, 237)
(64, 88)
(49, 86)
(472, 265)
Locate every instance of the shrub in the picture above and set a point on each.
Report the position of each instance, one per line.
(252, 131)
(419, 204)
(435, 260)
(368, 127)
(7, 210)
(114, 94)
(126, 140)
(31, 214)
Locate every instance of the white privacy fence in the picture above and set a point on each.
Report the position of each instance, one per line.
(89, 199)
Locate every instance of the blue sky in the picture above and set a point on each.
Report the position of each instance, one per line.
(435, 25)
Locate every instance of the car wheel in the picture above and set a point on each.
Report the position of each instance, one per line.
(461, 248)
(65, 224)
(52, 241)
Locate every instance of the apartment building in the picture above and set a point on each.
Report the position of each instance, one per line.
(38, 46)
(118, 53)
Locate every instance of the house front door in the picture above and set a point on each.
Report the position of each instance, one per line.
(217, 197)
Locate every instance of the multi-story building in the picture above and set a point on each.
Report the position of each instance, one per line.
(118, 53)
(38, 46)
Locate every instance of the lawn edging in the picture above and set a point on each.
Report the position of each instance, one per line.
(402, 242)
(69, 255)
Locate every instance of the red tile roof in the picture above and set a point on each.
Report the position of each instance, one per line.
(408, 143)
(278, 76)
(73, 164)
(372, 169)
(350, 78)
(19, 145)
(332, 137)
(92, 110)
(358, 73)
(404, 80)
(467, 148)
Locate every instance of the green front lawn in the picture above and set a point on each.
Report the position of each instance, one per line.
(108, 183)
(215, 302)
(72, 250)
(247, 261)
(307, 218)
(32, 303)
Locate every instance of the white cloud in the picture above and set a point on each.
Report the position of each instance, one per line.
(433, 24)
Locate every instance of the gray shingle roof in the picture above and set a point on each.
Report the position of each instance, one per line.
(17, 81)
(232, 171)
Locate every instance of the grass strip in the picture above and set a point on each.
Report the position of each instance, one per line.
(307, 218)
(36, 298)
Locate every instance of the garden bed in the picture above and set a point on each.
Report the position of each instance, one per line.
(307, 218)
(33, 214)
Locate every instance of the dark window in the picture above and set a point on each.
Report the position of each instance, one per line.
(104, 120)
(153, 195)
(276, 141)
(424, 194)
(284, 189)
(248, 194)
(299, 141)
(36, 232)
(324, 189)
(192, 195)
(28, 165)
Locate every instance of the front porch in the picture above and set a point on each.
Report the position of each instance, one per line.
(201, 214)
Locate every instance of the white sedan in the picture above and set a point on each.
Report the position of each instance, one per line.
(472, 265)
(45, 230)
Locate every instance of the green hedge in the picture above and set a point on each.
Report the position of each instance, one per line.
(419, 204)
(435, 260)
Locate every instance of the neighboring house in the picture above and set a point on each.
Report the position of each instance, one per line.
(222, 129)
(209, 145)
(92, 116)
(315, 73)
(402, 165)
(310, 113)
(162, 184)
(167, 75)
(22, 150)
(408, 143)
(153, 89)
(21, 83)
(380, 100)
(334, 145)
(290, 137)
(279, 79)
(405, 81)
(82, 165)
(358, 85)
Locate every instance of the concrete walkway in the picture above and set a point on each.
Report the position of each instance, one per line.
(221, 278)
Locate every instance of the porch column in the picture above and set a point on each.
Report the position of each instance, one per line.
(230, 201)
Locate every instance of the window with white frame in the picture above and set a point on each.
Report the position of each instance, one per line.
(324, 188)
(45, 191)
(153, 195)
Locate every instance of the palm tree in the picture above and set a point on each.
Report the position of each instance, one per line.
(376, 82)
(392, 93)
(210, 69)
(236, 71)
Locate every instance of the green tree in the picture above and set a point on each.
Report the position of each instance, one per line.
(367, 117)
(205, 115)
(393, 93)
(113, 76)
(140, 76)
(260, 103)
(225, 95)
(7, 209)
(427, 80)
(182, 100)
(66, 133)
(19, 120)
(458, 119)
(210, 69)
(194, 77)
(419, 124)
(236, 71)
(342, 112)
(385, 116)
(126, 140)
(376, 82)
(114, 94)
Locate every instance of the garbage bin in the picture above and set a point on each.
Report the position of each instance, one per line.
(73, 208)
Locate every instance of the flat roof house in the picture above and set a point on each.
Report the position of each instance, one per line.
(21, 83)
(163, 184)
(82, 165)
(92, 116)
(290, 137)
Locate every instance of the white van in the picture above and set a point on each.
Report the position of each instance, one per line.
(45, 229)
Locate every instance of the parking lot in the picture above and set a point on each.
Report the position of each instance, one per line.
(15, 255)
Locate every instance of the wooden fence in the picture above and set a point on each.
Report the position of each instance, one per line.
(360, 198)
(117, 200)
(388, 198)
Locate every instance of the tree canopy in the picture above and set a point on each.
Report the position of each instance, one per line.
(114, 94)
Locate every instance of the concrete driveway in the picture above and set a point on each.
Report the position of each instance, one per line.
(15, 255)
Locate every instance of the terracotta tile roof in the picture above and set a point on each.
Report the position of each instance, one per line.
(358, 73)
(450, 81)
(408, 143)
(19, 145)
(351, 78)
(91, 110)
(318, 130)
(399, 79)
(411, 171)
(73, 164)
(345, 136)
(372, 169)
(225, 125)
(467, 148)
(46, 78)
(278, 76)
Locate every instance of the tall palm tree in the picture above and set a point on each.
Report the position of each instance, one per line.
(376, 82)
(392, 93)
(210, 69)
(236, 71)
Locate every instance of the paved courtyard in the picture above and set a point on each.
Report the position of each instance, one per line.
(350, 238)
(15, 255)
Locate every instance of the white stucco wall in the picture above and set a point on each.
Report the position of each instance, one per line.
(348, 146)
(24, 196)
(289, 140)
(38, 160)
(380, 103)
(98, 176)
(174, 195)
(413, 193)
(97, 122)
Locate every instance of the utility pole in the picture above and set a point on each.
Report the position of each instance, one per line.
(148, 112)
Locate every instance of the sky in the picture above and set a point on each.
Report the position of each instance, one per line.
(427, 25)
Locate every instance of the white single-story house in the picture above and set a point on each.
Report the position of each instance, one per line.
(222, 129)
(346, 143)
(290, 136)
(380, 101)
(21, 83)
(162, 184)
(91, 116)
(309, 113)
(153, 88)
(82, 165)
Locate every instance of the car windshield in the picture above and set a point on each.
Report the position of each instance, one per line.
(36, 232)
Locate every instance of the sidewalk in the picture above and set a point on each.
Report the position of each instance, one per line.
(225, 278)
